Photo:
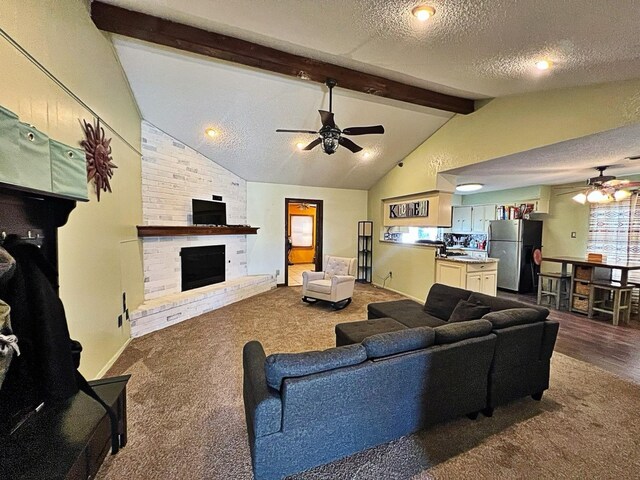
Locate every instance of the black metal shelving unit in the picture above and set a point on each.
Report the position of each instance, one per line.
(365, 251)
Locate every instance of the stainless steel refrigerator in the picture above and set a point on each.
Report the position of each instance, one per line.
(513, 243)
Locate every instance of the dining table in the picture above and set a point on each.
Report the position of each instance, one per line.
(623, 267)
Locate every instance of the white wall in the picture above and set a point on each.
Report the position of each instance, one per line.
(265, 209)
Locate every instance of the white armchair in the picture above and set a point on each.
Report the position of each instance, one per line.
(334, 285)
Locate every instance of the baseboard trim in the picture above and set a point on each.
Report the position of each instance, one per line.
(399, 292)
(113, 359)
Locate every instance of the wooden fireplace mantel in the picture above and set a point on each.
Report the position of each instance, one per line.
(175, 231)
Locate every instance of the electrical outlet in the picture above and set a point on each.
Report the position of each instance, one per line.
(119, 320)
(573, 234)
(277, 272)
(390, 274)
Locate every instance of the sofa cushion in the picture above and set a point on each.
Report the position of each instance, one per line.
(391, 343)
(466, 310)
(442, 300)
(356, 332)
(499, 303)
(407, 312)
(285, 365)
(512, 316)
(454, 332)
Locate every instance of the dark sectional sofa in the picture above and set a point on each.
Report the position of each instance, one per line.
(405, 368)
(525, 337)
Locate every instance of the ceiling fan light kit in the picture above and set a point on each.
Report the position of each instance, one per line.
(605, 189)
(330, 135)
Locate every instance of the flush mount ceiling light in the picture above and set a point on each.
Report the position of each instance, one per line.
(423, 12)
(543, 65)
(469, 187)
(211, 132)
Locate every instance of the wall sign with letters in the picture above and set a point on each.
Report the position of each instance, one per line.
(419, 208)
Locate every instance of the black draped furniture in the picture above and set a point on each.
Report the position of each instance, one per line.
(307, 409)
(525, 337)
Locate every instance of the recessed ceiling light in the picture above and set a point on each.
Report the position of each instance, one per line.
(212, 132)
(543, 65)
(469, 187)
(299, 145)
(423, 12)
(366, 154)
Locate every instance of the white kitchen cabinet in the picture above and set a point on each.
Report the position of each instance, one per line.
(481, 215)
(474, 276)
(461, 221)
(489, 283)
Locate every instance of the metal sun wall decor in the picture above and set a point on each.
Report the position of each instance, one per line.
(99, 162)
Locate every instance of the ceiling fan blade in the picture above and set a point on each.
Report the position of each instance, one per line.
(281, 130)
(363, 130)
(313, 144)
(327, 119)
(345, 142)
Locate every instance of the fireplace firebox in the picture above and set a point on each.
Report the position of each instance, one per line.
(202, 266)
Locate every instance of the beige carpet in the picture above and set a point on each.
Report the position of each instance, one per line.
(186, 417)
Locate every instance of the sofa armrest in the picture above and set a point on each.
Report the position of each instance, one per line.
(262, 404)
(336, 279)
(309, 276)
(549, 335)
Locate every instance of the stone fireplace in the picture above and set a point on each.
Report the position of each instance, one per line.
(172, 175)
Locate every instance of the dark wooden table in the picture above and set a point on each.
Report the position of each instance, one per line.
(67, 440)
(624, 268)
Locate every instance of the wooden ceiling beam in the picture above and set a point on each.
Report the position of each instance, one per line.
(157, 30)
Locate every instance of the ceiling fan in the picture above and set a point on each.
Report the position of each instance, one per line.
(330, 135)
(604, 189)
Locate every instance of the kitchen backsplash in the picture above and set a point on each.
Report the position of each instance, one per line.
(470, 240)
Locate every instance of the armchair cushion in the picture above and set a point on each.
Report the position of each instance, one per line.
(337, 266)
(319, 286)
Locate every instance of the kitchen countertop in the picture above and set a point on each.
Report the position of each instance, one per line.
(468, 259)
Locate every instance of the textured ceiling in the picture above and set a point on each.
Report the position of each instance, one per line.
(476, 48)
(564, 162)
(183, 94)
(473, 47)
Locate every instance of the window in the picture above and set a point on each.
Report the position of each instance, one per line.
(302, 230)
(614, 230)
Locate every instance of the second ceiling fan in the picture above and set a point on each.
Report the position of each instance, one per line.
(330, 135)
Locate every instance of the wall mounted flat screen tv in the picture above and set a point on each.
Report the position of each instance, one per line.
(206, 212)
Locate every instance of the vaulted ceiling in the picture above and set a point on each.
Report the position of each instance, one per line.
(471, 49)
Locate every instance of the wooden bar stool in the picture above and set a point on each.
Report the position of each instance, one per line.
(554, 287)
(616, 300)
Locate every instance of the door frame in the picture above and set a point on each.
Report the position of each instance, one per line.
(318, 233)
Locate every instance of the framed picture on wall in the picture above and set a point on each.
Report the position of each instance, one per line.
(302, 230)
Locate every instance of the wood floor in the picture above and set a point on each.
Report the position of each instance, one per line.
(596, 341)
